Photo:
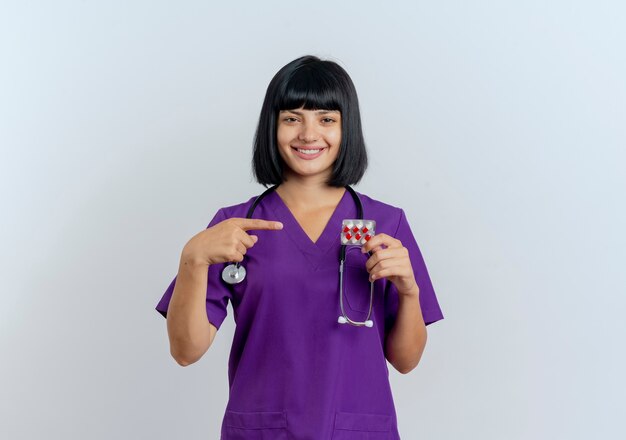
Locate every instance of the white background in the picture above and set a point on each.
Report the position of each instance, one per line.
(498, 126)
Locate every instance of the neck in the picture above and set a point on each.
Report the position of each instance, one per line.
(310, 192)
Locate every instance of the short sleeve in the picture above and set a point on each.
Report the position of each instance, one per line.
(218, 292)
(428, 300)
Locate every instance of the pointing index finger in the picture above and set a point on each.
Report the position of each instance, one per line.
(255, 223)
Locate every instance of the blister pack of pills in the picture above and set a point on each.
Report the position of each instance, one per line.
(356, 231)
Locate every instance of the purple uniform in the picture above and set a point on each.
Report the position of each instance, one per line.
(294, 372)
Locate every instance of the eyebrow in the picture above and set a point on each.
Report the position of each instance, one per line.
(319, 112)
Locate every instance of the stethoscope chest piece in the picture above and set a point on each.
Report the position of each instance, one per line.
(234, 274)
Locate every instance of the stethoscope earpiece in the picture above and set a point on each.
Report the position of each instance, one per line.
(343, 320)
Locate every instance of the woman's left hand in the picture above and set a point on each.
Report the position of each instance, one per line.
(392, 262)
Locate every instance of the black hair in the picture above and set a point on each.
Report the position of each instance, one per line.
(314, 84)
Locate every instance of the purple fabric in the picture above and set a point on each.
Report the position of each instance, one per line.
(293, 370)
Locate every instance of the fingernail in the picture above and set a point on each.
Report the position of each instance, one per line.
(362, 250)
(279, 225)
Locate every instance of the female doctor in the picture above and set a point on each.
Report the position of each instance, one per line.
(295, 371)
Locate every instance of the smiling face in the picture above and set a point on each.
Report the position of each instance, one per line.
(308, 141)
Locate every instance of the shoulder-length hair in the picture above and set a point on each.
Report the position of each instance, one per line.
(314, 84)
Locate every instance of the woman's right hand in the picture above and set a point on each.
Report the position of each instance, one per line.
(225, 241)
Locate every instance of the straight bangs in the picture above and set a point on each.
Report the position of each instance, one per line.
(311, 89)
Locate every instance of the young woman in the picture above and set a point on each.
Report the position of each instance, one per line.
(311, 344)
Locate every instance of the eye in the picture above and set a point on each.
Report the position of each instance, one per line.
(289, 119)
(328, 119)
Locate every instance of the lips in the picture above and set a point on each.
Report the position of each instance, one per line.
(308, 156)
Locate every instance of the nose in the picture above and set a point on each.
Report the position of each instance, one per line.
(308, 133)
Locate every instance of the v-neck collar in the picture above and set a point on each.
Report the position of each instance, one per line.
(329, 236)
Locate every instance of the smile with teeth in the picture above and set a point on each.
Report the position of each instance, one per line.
(308, 151)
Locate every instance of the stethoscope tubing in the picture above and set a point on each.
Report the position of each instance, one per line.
(238, 272)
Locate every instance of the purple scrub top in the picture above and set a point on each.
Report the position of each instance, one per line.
(294, 372)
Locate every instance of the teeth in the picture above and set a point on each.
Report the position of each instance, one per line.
(309, 151)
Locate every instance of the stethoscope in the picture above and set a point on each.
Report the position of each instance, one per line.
(235, 273)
